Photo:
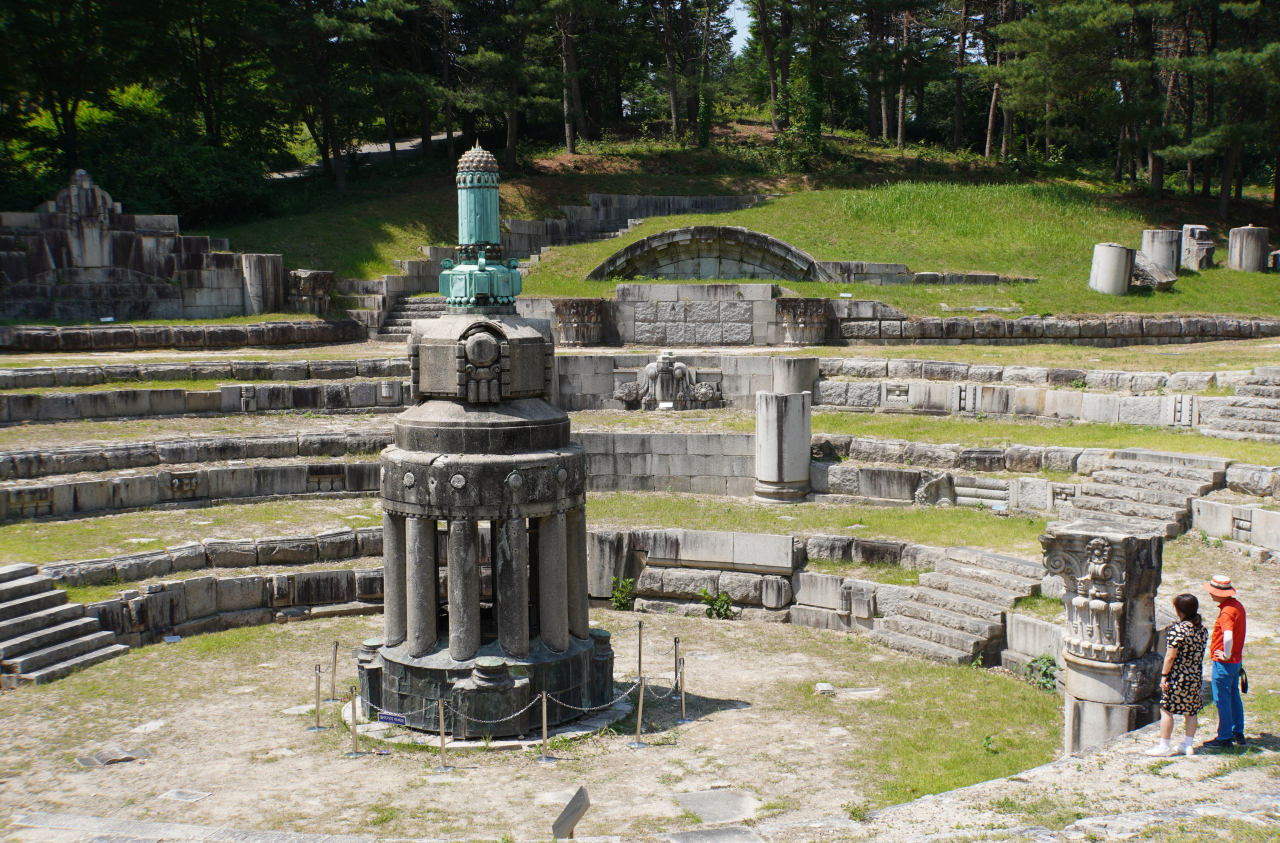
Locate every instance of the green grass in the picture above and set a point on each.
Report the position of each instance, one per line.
(887, 574)
(1039, 606)
(927, 525)
(992, 433)
(1046, 811)
(189, 384)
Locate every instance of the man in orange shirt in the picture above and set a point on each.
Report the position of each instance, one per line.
(1226, 648)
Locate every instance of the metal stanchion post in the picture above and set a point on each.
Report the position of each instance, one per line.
(317, 727)
(545, 759)
(640, 651)
(683, 719)
(333, 676)
(675, 677)
(355, 725)
(444, 762)
(637, 743)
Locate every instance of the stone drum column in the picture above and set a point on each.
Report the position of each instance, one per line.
(579, 599)
(1112, 269)
(1113, 671)
(464, 589)
(783, 426)
(511, 585)
(1247, 248)
(421, 580)
(1163, 247)
(394, 620)
(794, 374)
(553, 608)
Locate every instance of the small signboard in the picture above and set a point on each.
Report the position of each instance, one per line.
(397, 719)
(562, 828)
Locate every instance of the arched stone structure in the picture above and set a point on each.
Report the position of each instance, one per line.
(710, 252)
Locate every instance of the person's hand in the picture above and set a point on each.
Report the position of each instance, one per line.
(1164, 684)
(1219, 654)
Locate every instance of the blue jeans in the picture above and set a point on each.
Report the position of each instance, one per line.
(1226, 696)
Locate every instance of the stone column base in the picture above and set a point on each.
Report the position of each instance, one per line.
(1089, 723)
(769, 492)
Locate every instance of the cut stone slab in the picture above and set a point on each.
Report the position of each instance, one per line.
(719, 806)
(732, 834)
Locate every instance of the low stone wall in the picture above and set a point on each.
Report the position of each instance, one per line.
(1028, 459)
(191, 487)
(1027, 639)
(1245, 525)
(880, 368)
(39, 377)
(125, 337)
(703, 463)
(26, 464)
(341, 543)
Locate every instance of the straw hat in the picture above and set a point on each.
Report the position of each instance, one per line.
(1220, 586)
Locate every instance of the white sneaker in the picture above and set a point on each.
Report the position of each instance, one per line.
(1188, 749)
(1160, 750)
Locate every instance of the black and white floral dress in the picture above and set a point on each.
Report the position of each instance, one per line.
(1184, 695)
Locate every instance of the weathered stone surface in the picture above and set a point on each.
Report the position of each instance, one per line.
(689, 583)
(1023, 458)
(240, 593)
(1253, 479)
(231, 553)
(831, 548)
(341, 543)
(775, 592)
(742, 588)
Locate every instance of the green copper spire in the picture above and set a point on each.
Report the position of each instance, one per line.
(482, 278)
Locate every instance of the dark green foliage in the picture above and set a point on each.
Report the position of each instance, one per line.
(1042, 671)
(719, 606)
(622, 598)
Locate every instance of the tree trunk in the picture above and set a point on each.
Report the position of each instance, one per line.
(1118, 174)
(1228, 171)
(668, 53)
(575, 88)
(991, 119)
(958, 137)
(1240, 177)
(902, 87)
(766, 42)
(566, 95)
(785, 22)
(1005, 135)
(1275, 192)
(390, 120)
(1048, 147)
(513, 119)
(424, 126)
(331, 137)
(884, 110)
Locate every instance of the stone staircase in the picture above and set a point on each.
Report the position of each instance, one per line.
(400, 319)
(42, 636)
(1146, 491)
(956, 615)
(1254, 412)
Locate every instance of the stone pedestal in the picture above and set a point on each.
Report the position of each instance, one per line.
(492, 693)
(1112, 268)
(1164, 248)
(1197, 247)
(783, 431)
(794, 374)
(1247, 249)
(1109, 639)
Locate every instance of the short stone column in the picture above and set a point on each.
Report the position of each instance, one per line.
(783, 431)
(464, 589)
(1163, 247)
(794, 374)
(421, 583)
(511, 585)
(1247, 249)
(1197, 247)
(1112, 269)
(1113, 671)
(553, 586)
(575, 537)
(394, 594)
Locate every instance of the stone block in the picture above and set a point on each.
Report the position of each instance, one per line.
(1026, 375)
(823, 590)
(689, 583)
(901, 369)
(1253, 479)
(188, 556)
(200, 596)
(1023, 458)
(231, 553)
(141, 566)
(1096, 407)
(763, 554)
(341, 543)
(1140, 410)
(649, 583)
(1031, 636)
(818, 618)
(865, 367)
(1088, 723)
(237, 594)
(921, 557)
(226, 483)
(1061, 459)
(1062, 404)
(287, 550)
(1035, 493)
(775, 592)
(742, 588)
(315, 588)
(246, 617)
(831, 548)
(369, 540)
(891, 598)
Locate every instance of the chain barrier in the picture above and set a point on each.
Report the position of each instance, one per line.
(610, 704)
(471, 719)
(675, 683)
(667, 651)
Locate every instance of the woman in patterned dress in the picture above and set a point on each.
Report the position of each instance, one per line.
(1181, 678)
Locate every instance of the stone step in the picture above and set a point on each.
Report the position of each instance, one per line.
(920, 647)
(946, 636)
(1158, 482)
(1022, 586)
(1112, 521)
(1147, 456)
(1225, 422)
(1259, 414)
(24, 586)
(52, 616)
(43, 638)
(986, 629)
(61, 669)
(18, 571)
(1131, 509)
(60, 652)
(972, 589)
(959, 604)
(31, 604)
(1031, 568)
(1239, 435)
(1258, 390)
(1138, 495)
(1184, 472)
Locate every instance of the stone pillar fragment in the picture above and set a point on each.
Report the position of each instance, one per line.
(511, 585)
(576, 573)
(1113, 671)
(464, 590)
(1163, 247)
(553, 608)
(794, 374)
(421, 580)
(1247, 249)
(394, 619)
(783, 431)
(1197, 247)
(1111, 270)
